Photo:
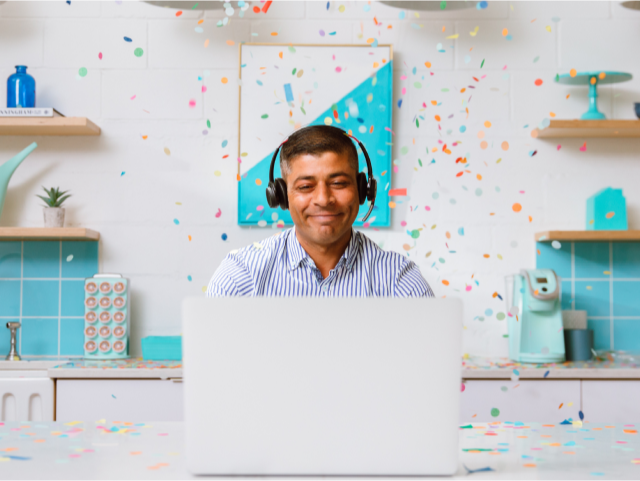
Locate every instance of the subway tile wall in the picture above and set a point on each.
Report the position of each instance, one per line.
(602, 278)
(42, 286)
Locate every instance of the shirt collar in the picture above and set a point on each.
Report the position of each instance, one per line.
(296, 253)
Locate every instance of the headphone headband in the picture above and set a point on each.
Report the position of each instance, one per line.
(369, 170)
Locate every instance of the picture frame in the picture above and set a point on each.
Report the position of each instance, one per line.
(284, 87)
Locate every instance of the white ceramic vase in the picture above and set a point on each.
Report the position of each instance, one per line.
(53, 216)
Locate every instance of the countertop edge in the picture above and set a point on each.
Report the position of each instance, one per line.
(577, 373)
(88, 373)
(466, 374)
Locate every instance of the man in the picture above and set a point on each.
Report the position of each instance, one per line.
(322, 255)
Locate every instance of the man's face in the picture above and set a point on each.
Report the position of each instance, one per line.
(323, 196)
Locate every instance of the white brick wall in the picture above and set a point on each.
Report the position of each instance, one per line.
(135, 211)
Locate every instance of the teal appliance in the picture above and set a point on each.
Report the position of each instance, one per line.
(535, 318)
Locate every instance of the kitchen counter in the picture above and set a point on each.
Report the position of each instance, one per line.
(117, 369)
(618, 367)
(613, 367)
(149, 450)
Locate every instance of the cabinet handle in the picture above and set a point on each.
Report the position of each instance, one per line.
(176, 379)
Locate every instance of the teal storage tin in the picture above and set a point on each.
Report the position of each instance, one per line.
(607, 210)
(162, 348)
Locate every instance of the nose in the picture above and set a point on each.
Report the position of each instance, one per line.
(323, 196)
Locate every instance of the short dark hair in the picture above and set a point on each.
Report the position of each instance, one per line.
(316, 140)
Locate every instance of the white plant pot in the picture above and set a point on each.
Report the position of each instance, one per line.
(53, 216)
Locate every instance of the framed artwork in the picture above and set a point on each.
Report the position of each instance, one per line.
(284, 87)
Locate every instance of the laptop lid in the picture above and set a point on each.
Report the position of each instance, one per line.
(322, 386)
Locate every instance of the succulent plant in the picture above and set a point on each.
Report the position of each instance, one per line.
(56, 198)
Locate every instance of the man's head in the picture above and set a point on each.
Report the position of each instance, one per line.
(319, 164)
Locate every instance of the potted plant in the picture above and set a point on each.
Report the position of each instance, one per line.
(53, 213)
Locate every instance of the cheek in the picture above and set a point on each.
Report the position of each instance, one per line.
(297, 201)
(351, 196)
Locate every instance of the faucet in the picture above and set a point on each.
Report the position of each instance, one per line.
(13, 352)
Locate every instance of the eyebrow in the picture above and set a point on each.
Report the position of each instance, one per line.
(331, 176)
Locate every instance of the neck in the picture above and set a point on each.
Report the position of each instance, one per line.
(326, 257)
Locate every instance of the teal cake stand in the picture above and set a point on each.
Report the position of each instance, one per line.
(593, 79)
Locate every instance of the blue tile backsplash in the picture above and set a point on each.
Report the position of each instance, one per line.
(602, 278)
(42, 286)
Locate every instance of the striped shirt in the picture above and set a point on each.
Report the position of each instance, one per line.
(279, 266)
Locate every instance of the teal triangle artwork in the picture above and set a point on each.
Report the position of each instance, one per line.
(369, 107)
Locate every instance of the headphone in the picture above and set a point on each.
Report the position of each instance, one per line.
(367, 187)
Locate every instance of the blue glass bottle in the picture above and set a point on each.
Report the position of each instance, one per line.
(21, 89)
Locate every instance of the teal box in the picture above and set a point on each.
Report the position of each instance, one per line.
(162, 348)
(607, 210)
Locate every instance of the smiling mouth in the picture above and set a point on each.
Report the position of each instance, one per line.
(327, 216)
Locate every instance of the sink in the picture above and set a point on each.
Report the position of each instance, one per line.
(39, 364)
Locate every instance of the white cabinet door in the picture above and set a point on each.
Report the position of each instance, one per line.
(118, 400)
(611, 401)
(529, 401)
(26, 399)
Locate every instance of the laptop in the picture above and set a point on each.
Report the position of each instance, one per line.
(322, 386)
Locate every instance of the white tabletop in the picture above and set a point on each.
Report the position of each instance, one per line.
(117, 450)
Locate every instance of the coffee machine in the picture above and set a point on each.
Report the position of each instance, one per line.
(535, 317)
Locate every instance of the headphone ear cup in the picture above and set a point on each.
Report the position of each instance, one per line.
(281, 192)
(373, 190)
(361, 180)
(271, 195)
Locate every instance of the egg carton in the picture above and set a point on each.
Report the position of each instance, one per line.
(106, 317)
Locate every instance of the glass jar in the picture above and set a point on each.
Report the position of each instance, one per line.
(21, 89)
